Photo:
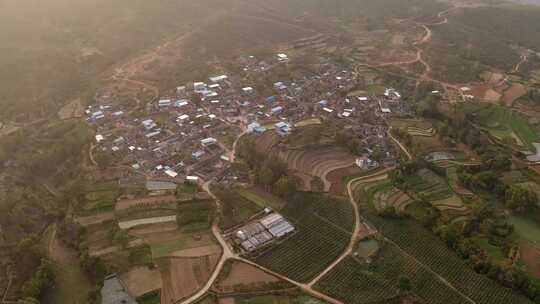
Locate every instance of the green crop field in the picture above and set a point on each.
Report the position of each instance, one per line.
(427, 249)
(526, 229)
(100, 197)
(502, 123)
(357, 282)
(261, 198)
(323, 226)
(236, 208)
(160, 250)
(195, 215)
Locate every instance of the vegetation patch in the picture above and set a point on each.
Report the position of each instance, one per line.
(503, 124)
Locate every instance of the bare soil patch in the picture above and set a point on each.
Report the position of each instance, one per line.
(143, 231)
(95, 219)
(182, 277)
(141, 280)
(492, 96)
(212, 249)
(229, 300)
(154, 200)
(514, 92)
(73, 109)
(336, 178)
(242, 273)
(531, 256)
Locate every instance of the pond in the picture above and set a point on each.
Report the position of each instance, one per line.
(366, 248)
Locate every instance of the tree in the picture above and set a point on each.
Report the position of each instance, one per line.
(28, 300)
(121, 237)
(404, 284)
(317, 184)
(285, 187)
(265, 176)
(447, 234)
(93, 266)
(520, 199)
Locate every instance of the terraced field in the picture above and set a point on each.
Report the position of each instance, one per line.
(393, 197)
(414, 131)
(502, 123)
(434, 189)
(323, 227)
(316, 161)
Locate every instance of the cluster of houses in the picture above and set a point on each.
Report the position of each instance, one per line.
(263, 231)
(189, 132)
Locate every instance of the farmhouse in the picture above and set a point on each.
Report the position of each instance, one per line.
(164, 103)
(282, 57)
(255, 127)
(247, 90)
(283, 128)
(219, 78)
(199, 87)
(149, 124)
(276, 110)
(208, 142)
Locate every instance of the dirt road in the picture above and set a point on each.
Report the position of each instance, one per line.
(403, 148)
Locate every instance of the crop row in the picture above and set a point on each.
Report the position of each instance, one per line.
(427, 249)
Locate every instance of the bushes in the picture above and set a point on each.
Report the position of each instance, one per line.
(42, 279)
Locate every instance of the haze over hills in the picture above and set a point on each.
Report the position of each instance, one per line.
(269, 151)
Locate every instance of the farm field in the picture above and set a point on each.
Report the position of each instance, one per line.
(195, 215)
(530, 255)
(323, 226)
(318, 160)
(144, 202)
(141, 280)
(526, 229)
(261, 198)
(340, 177)
(357, 282)
(431, 252)
(100, 198)
(236, 208)
(434, 189)
(182, 277)
(237, 276)
(388, 196)
(502, 123)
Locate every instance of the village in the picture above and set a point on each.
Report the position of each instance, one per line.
(189, 136)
